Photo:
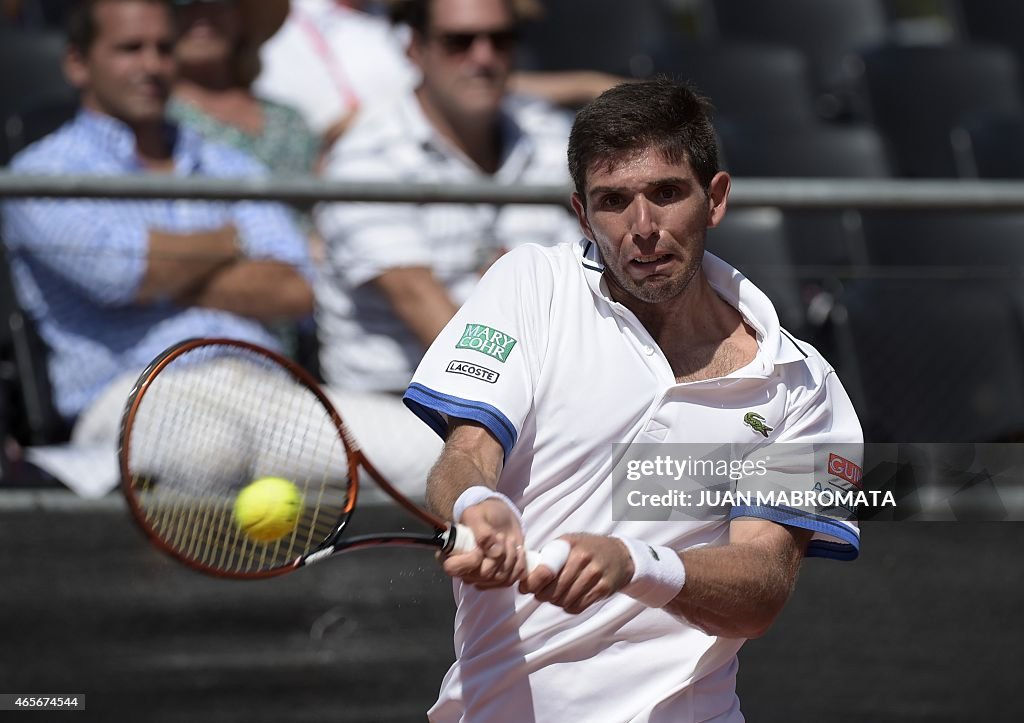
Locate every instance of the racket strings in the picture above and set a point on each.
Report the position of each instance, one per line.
(208, 424)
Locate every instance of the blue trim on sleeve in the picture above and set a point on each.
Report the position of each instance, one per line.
(429, 405)
(832, 550)
(848, 549)
(433, 419)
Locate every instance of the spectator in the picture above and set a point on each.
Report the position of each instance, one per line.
(396, 273)
(330, 58)
(218, 58)
(112, 283)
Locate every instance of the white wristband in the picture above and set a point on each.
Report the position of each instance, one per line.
(476, 495)
(658, 573)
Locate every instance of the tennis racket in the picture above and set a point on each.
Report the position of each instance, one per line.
(207, 418)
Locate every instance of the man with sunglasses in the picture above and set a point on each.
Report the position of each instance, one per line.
(396, 273)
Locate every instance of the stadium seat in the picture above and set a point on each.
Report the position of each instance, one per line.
(816, 238)
(25, 392)
(990, 21)
(931, 362)
(828, 32)
(597, 35)
(30, 69)
(965, 242)
(961, 267)
(32, 123)
(751, 83)
(36, 14)
(754, 242)
(917, 95)
(780, 151)
(5, 149)
(990, 146)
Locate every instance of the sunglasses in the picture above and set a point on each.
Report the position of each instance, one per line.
(460, 43)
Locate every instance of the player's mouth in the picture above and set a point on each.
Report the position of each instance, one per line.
(651, 263)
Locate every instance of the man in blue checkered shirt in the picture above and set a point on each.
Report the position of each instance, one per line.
(112, 283)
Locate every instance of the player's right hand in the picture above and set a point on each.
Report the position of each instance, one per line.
(499, 559)
(597, 566)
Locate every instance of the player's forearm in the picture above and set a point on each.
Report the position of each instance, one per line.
(264, 290)
(737, 590)
(419, 300)
(178, 264)
(471, 457)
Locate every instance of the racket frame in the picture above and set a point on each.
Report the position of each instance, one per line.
(443, 537)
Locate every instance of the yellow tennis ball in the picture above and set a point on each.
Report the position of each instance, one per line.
(268, 509)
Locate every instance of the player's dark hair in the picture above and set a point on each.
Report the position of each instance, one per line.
(417, 13)
(81, 26)
(663, 114)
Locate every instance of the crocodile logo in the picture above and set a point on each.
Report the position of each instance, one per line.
(756, 422)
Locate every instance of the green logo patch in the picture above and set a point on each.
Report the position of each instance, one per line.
(484, 339)
(756, 422)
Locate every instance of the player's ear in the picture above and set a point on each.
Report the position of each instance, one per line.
(718, 198)
(581, 215)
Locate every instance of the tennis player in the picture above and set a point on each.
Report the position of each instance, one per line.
(634, 334)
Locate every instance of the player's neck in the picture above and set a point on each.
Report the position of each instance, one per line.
(697, 315)
(701, 335)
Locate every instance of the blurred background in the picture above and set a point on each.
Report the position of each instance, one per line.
(919, 310)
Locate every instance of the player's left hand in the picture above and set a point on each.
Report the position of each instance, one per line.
(597, 567)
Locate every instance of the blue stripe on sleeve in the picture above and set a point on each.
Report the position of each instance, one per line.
(429, 405)
(848, 549)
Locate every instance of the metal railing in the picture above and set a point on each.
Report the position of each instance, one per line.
(304, 192)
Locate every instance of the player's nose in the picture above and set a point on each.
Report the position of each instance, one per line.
(644, 219)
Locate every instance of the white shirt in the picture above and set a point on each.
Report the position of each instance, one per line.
(363, 345)
(558, 372)
(326, 60)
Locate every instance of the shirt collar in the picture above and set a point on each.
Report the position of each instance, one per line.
(756, 308)
(735, 288)
(113, 137)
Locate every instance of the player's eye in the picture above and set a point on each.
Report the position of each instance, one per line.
(667, 193)
(611, 202)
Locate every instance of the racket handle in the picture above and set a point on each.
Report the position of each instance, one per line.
(553, 555)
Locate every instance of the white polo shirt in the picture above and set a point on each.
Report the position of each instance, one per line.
(327, 60)
(363, 345)
(559, 372)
